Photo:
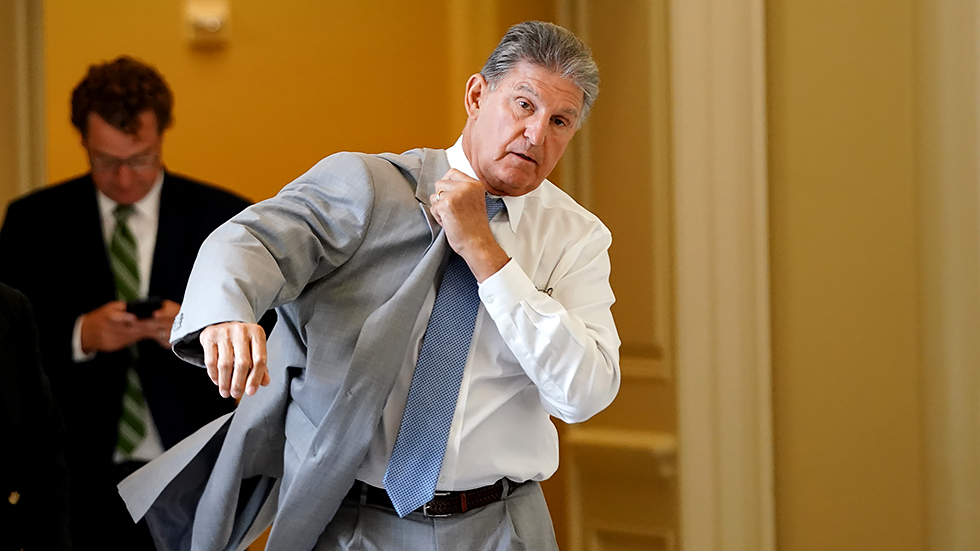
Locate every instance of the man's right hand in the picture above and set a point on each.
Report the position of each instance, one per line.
(234, 353)
(109, 328)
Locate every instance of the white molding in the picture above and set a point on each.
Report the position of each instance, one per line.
(948, 154)
(722, 262)
(602, 532)
(660, 448)
(29, 95)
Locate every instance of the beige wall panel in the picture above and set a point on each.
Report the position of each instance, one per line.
(628, 166)
(642, 404)
(611, 539)
(621, 490)
(846, 371)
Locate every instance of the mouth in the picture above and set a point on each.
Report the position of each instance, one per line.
(524, 157)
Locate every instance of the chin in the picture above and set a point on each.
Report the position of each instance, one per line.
(127, 198)
(516, 183)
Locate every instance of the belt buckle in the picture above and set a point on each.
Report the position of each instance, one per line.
(425, 508)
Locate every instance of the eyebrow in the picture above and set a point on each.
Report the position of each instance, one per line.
(147, 151)
(524, 87)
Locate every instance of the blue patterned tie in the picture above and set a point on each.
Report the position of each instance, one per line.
(421, 443)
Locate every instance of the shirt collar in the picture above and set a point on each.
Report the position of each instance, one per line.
(149, 205)
(458, 160)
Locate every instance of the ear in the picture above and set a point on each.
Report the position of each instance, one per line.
(476, 89)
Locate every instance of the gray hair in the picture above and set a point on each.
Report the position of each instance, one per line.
(549, 46)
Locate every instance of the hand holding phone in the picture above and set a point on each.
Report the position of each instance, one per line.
(144, 308)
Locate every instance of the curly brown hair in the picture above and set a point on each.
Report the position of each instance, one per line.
(118, 91)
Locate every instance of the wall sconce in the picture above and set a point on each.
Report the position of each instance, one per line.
(208, 23)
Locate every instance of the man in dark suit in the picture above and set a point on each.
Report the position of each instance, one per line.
(79, 250)
(33, 475)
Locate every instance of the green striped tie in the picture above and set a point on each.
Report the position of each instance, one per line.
(125, 269)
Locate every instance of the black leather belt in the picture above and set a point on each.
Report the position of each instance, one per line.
(444, 504)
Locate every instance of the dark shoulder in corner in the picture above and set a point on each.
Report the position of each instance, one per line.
(63, 196)
(68, 191)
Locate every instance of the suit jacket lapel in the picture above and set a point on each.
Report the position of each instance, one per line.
(167, 257)
(435, 164)
(93, 245)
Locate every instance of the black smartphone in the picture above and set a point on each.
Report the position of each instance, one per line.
(145, 307)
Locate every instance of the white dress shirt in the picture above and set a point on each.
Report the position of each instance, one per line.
(143, 224)
(544, 344)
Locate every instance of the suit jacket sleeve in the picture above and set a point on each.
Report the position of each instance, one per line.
(20, 242)
(267, 255)
(37, 432)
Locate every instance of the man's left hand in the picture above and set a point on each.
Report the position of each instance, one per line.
(458, 205)
(158, 327)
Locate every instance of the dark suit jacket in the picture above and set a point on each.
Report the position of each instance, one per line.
(52, 248)
(33, 475)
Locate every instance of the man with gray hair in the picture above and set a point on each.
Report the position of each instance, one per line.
(436, 309)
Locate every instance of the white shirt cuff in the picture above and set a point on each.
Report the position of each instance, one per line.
(77, 355)
(505, 289)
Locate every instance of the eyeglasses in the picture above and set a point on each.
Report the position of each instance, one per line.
(112, 164)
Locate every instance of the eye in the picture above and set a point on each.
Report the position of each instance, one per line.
(560, 122)
(526, 105)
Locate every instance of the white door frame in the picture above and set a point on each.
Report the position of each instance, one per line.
(948, 178)
(722, 245)
(28, 78)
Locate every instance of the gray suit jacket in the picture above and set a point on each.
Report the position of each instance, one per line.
(346, 254)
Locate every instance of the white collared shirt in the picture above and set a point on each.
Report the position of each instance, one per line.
(544, 344)
(143, 224)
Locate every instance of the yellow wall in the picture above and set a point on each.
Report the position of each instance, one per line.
(848, 445)
(298, 81)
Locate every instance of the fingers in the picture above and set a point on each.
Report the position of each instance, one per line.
(226, 366)
(454, 183)
(167, 312)
(158, 327)
(210, 357)
(436, 209)
(218, 356)
(243, 365)
(260, 371)
(235, 356)
(115, 312)
(109, 328)
(457, 176)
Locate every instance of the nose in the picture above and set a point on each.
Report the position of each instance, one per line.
(125, 176)
(536, 129)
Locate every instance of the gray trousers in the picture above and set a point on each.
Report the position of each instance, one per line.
(518, 522)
